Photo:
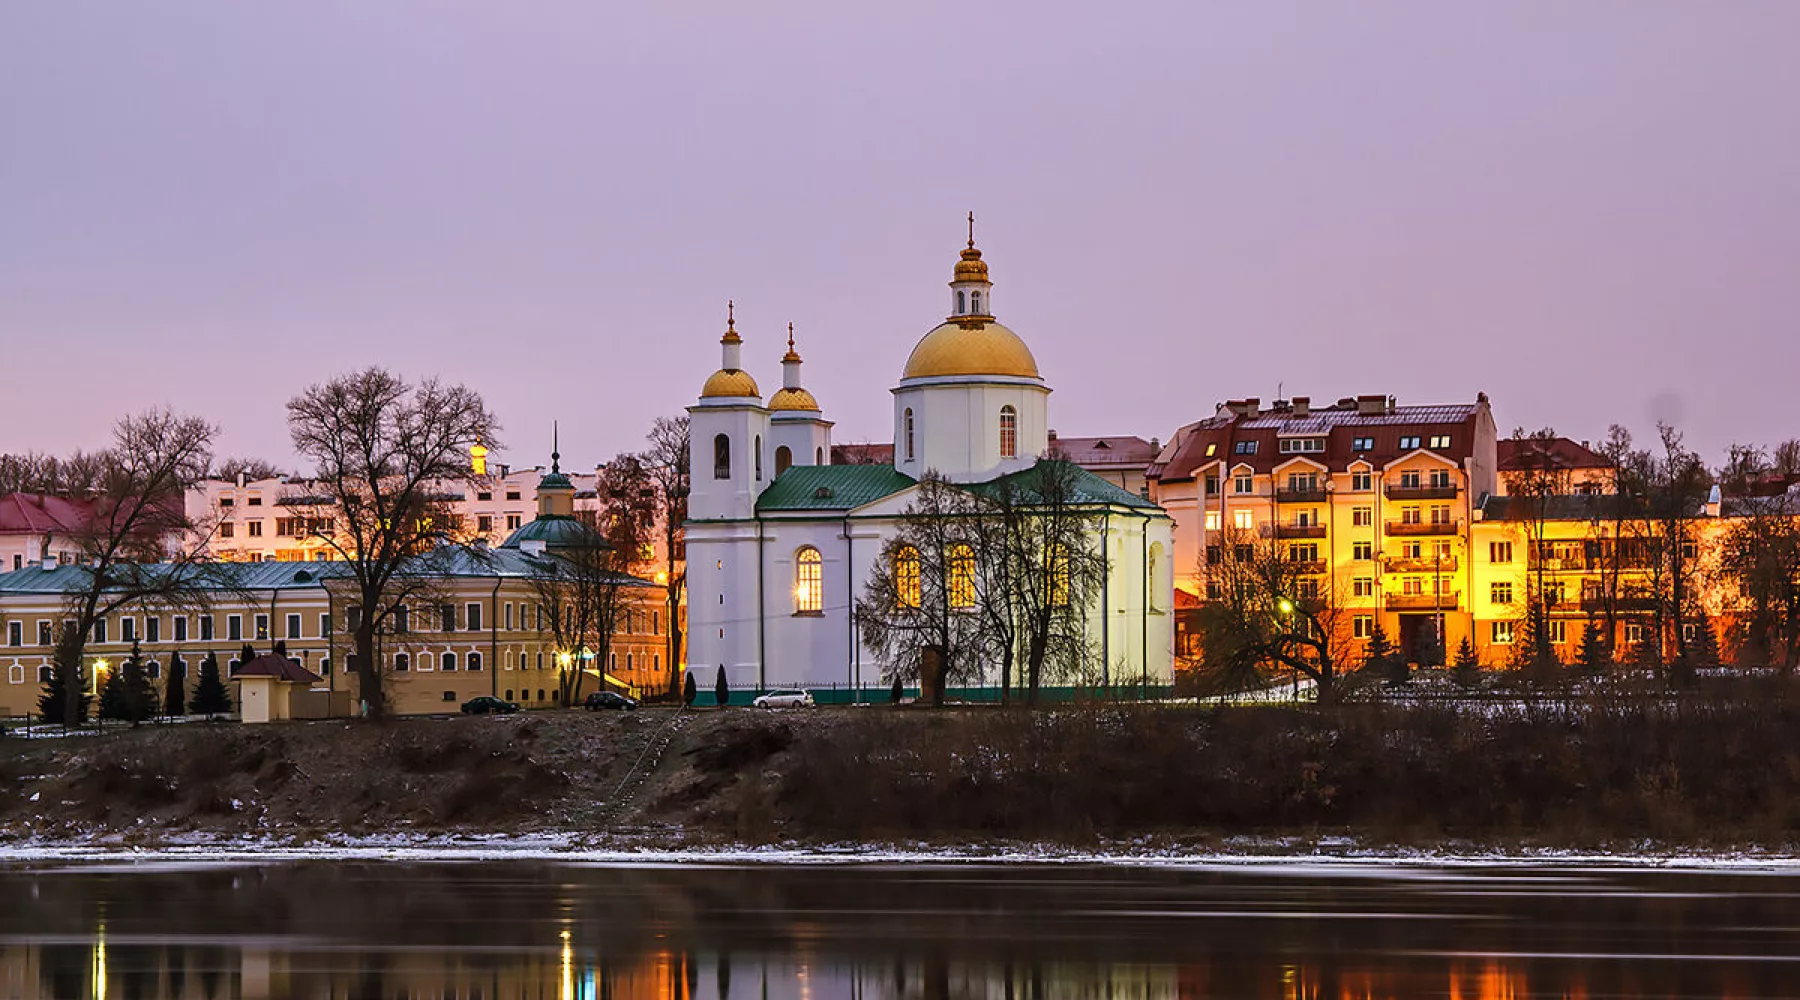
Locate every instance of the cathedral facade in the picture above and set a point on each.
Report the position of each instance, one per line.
(781, 543)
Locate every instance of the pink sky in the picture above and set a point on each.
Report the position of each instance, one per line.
(1589, 210)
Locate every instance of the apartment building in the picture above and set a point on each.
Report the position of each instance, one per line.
(1375, 498)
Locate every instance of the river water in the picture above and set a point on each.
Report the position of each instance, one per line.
(508, 930)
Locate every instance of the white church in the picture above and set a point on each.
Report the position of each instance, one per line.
(780, 542)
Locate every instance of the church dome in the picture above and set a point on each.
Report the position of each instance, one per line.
(556, 532)
(970, 347)
(792, 399)
(971, 267)
(729, 382)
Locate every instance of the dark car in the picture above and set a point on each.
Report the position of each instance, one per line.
(608, 699)
(488, 705)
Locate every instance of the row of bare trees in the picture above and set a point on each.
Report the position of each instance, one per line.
(999, 576)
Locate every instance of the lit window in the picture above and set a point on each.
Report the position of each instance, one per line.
(1057, 560)
(1212, 520)
(1503, 633)
(1009, 432)
(907, 577)
(1559, 632)
(809, 581)
(1241, 519)
(1440, 441)
(962, 576)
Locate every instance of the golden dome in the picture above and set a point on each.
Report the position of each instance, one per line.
(970, 347)
(792, 399)
(730, 383)
(971, 267)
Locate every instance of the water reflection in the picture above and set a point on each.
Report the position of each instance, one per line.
(512, 931)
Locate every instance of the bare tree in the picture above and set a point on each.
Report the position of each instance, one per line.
(583, 597)
(76, 477)
(384, 452)
(251, 469)
(1265, 608)
(1760, 557)
(1679, 488)
(667, 462)
(918, 612)
(125, 549)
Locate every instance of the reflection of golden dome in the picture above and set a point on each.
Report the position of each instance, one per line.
(792, 399)
(971, 267)
(729, 382)
(978, 347)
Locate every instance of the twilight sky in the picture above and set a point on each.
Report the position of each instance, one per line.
(1590, 210)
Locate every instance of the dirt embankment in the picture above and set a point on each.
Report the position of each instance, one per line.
(1701, 773)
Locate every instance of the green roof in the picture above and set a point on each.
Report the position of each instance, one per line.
(1089, 489)
(556, 531)
(831, 487)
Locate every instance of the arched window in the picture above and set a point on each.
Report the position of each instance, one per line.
(449, 661)
(819, 455)
(962, 576)
(628, 663)
(757, 457)
(474, 661)
(402, 663)
(907, 577)
(721, 456)
(1009, 432)
(907, 420)
(783, 459)
(1056, 565)
(960, 306)
(809, 581)
(975, 303)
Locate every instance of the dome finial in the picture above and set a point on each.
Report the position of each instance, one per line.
(971, 230)
(731, 334)
(555, 446)
(790, 336)
(791, 355)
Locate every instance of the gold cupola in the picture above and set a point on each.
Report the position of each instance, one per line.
(969, 342)
(791, 396)
(731, 381)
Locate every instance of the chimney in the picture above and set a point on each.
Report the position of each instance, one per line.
(49, 562)
(240, 479)
(1052, 435)
(1302, 405)
(1371, 404)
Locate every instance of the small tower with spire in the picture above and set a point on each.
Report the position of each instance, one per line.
(971, 293)
(555, 493)
(729, 432)
(798, 430)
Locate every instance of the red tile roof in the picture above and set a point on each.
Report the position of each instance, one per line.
(37, 513)
(1124, 450)
(1242, 433)
(1564, 453)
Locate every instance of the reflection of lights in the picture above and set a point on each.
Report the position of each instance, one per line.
(568, 964)
(100, 962)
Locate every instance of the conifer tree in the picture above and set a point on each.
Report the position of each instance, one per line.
(210, 696)
(1593, 656)
(721, 689)
(1703, 649)
(112, 695)
(139, 694)
(1381, 657)
(1466, 669)
(65, 676)
(175, 687)
(689, 690)
(898, 693)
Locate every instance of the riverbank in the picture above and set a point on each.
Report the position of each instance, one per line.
(1715, 775)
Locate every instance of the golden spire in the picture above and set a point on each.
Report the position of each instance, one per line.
(731, 334)
(971, 267)
(971, 230)
(791, 354)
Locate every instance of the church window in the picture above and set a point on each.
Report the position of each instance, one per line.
(907, 577)
(975, 303)
(962, 577)
(907, 420)
(1009, 432)
(1056, 561)
(757, 457)
(819, 456)
(783, 459)
(721, 457)
(809, 581)
(961, 307)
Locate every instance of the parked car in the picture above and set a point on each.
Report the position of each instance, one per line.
(489, 705)
(608, 699)
(784, 699)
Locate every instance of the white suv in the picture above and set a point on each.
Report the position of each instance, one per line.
(784, 699)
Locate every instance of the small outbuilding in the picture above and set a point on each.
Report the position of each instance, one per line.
(266, 685)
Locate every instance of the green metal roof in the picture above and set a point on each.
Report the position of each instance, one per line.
(1089, 489)
(556, 531)
(831, 487)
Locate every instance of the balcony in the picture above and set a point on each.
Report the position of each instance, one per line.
(1308, 566)
(1562, 564)
(1446, 601)
(1295, 530)
(1313, 495)
(1422, 564)
(1393, 492)
(1424, 527)
(1596, 605)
